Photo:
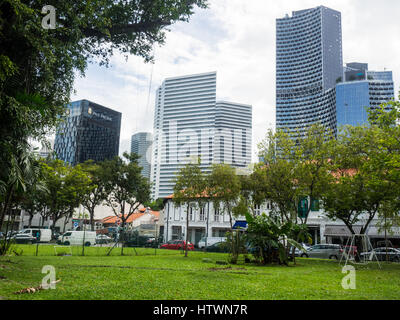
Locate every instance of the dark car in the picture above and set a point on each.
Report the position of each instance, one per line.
(55, 235)
(392, 253)
(218, 247)
(177, 245)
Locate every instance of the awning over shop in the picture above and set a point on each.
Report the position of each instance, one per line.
(340, 231)
(240, 225)
(343, 231)
(373, 232)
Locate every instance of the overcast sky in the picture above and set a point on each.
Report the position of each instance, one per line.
(236, 38)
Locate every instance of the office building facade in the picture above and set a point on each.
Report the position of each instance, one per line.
(141, 144)
(362, 89)
(233, 135)
(88, 131)
(190, 124)
(308, 65)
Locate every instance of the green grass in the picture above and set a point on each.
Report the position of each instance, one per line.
(168, 275)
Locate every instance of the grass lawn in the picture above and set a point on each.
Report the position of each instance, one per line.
(168, 275)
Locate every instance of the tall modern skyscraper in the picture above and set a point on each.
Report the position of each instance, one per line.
(88, 132)
(308, 64)
(141, 144)
(360, 90)
(233, 136)
(189, 123)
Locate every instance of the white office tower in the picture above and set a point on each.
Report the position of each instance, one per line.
(190, 124)
(233, 123)
(141, 144)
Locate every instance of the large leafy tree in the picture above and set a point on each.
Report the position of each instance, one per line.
(125, 186)
(97, 194)
(359, 187)
(277, 173)
(66, 189)
(313, 155)
(38, 65)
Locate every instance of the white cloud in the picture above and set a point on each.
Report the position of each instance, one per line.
(236, 38)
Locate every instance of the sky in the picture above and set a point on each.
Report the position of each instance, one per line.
(236, 38)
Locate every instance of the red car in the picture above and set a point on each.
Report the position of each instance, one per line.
(352, 250)
(177, 245)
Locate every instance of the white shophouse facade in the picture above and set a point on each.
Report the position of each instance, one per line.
(213, 223)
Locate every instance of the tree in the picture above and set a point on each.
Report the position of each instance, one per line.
(358, 189)
(156, 205)
(38, 66)
(278, 174)
(189, 191)
(385, 162)
(31, 200)
(267, 236)
(97, 194)
(23, 173)
(77, 188)
(127, 189)
(313, 164)
(223, 188)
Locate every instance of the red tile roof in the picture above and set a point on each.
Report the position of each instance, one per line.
(134, 216)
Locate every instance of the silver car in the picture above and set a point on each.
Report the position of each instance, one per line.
(324, 251)
(392, 253)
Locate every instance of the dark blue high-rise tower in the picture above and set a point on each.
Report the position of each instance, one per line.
(89, 131)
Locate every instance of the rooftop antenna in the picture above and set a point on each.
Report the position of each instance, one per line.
(150, 82)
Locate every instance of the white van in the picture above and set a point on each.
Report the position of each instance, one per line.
(78, 238)
(210, 241)
(44, 234)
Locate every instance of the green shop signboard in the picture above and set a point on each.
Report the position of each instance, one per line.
(302, 207)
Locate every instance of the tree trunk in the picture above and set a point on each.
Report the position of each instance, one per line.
(91, 213)
(234, 242)
(121, 237)
(30, 220)
(187, 231)
(65, 223)
(6, 205)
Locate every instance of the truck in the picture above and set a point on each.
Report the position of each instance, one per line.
(78, 238)
(40, 235)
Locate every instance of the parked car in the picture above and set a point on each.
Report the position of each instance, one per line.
(218, 247)
(298, 253)
(324, 251)
(151, 243)
(352, 250)
(11, 234)
(177, 245)
(78, 238)
(393, 254)
(23, 238)
(210, 241)
(56, 235)
(103, 239)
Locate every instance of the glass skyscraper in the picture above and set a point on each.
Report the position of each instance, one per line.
(89, 131)
(361, 89)
(308, 64)
(141, 144)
